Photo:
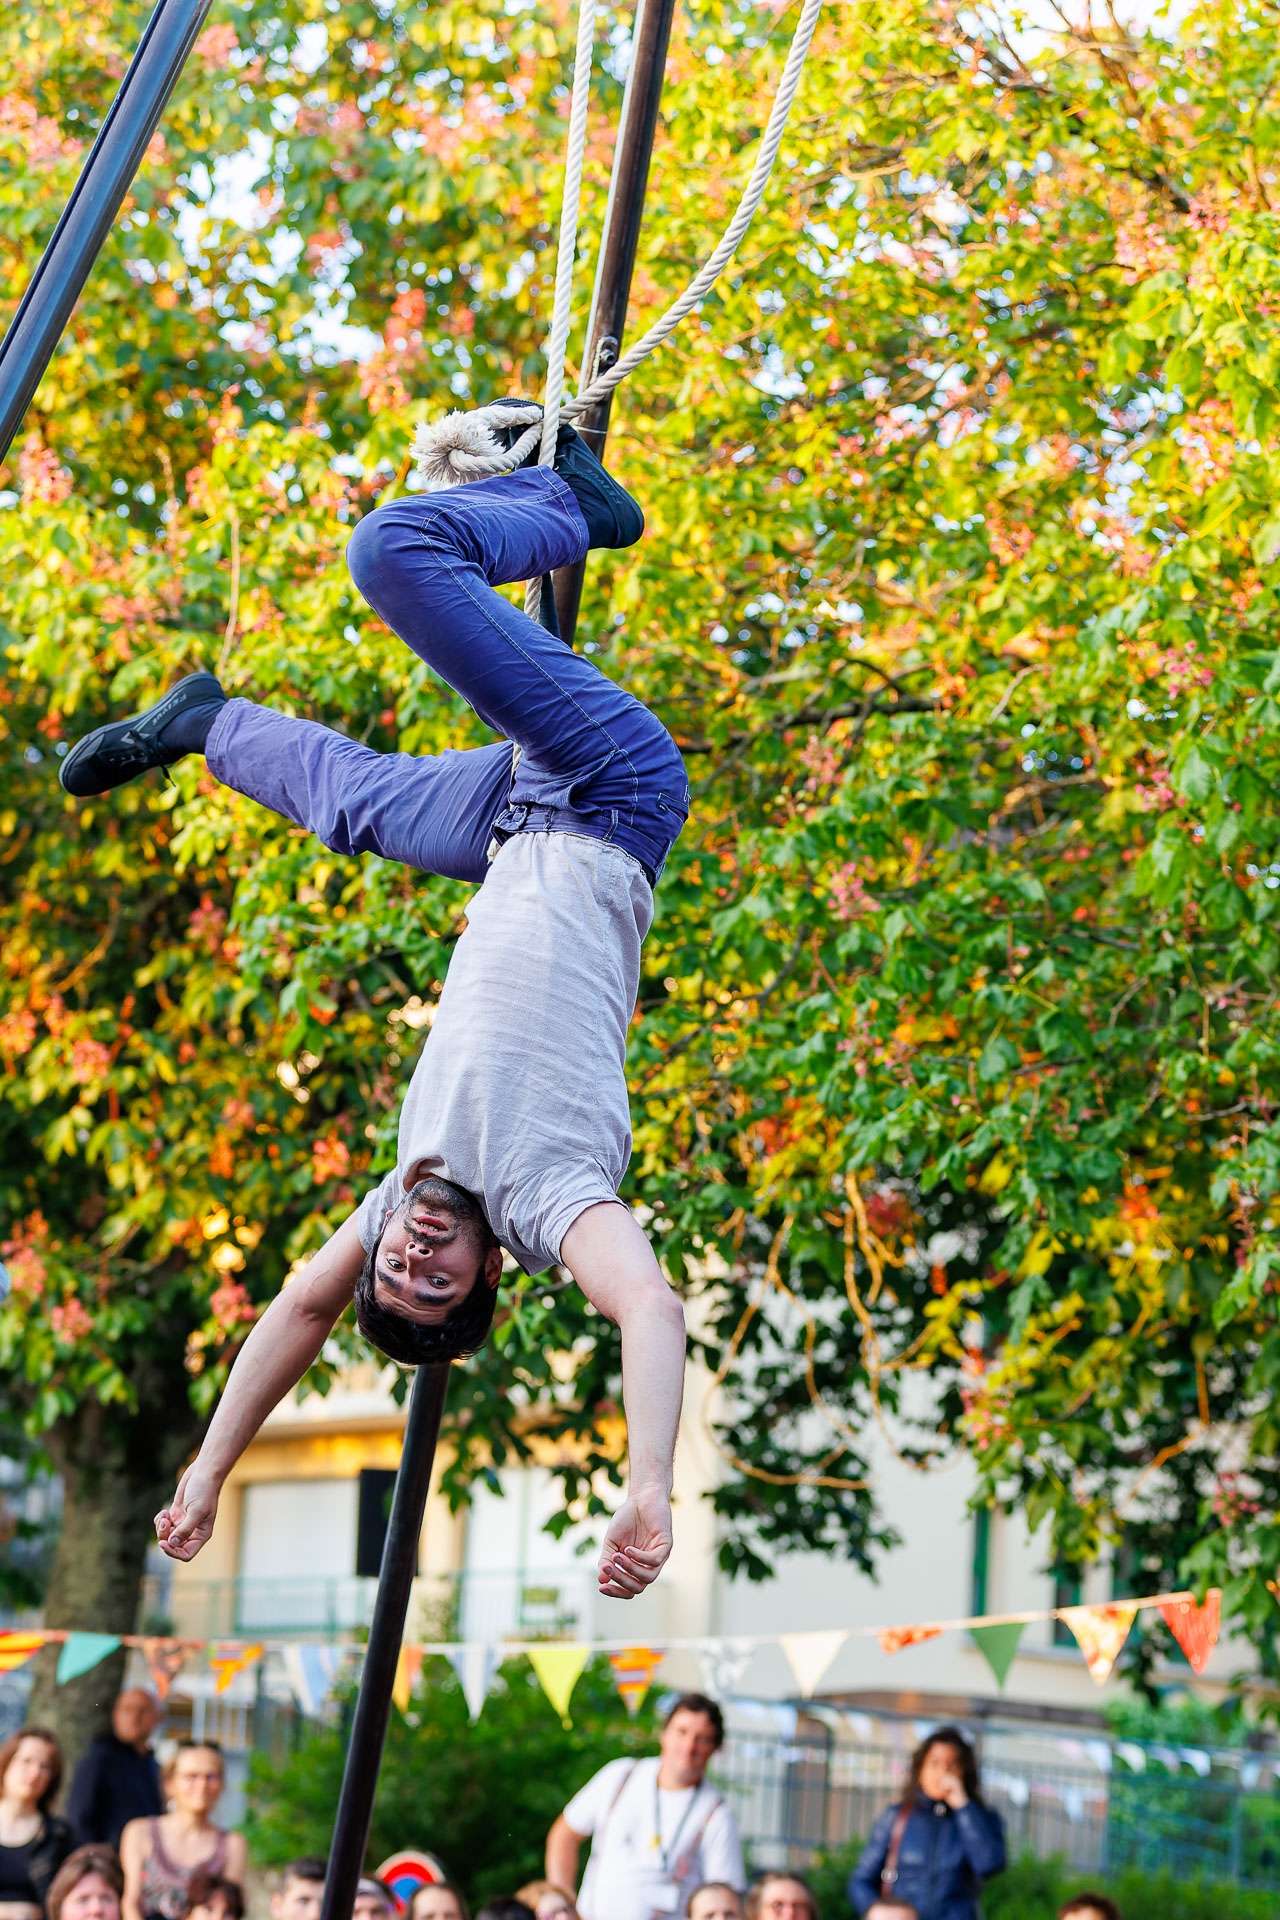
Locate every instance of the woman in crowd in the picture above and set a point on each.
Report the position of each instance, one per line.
(34, 1842)
(87, 1886)
(212, 1897)
(548, 1901)
(715, 1900)
(162, 1857)
(936, 1847)
(441, 1902)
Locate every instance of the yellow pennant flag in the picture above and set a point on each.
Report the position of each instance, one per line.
(408, 1667)
(233, 1659)
(633, 1671)
(558, 1668)
(1100, 1632)
(17, 1648)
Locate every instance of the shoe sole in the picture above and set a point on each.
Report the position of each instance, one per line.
(162, 711)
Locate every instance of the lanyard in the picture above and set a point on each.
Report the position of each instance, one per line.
(668, 1855)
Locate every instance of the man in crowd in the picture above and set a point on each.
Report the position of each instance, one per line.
(891, 1910)
(118, 1779)
(372, 1901)
(715, 1900)
(781, 1896)
(300, 1891)
(1089, 1906)
(658, 1828)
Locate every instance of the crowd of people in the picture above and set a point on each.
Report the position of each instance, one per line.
(138, 1841)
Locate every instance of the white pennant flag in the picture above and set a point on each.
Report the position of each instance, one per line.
(723, 1664)
(475, 1665)
(810, 1654)
(312, 1673)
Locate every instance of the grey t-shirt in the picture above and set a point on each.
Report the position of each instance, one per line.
(520, 1092)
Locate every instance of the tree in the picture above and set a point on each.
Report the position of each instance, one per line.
(955, 1064)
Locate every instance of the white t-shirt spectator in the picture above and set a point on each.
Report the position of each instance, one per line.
(650, 1847)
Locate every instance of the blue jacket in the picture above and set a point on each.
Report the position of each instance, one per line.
(944, 1859)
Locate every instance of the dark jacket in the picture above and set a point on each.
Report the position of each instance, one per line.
(114, 1784)
(943, 1861)
(47, 1853)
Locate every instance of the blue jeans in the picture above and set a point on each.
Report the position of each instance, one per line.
(593, 760)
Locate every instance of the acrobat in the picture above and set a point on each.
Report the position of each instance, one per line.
(515, 1128)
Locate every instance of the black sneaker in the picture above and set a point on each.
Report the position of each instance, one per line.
(121, 750)
(613, 518)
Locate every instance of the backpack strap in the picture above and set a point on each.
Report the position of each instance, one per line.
(892, 1853)
(680, 1866)
(618, 1792)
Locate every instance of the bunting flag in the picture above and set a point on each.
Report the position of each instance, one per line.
(633, 1671)
(475, 1666)
(408, 1667)
(998, 1646)
(17, 1648)
(1195, 1629)
(232, 1657)
(894, 1639)
(810, 1654)
(165, 1660)
(81, 1652)
(558, 1668)
(312, 1673)
(723, 1663)
(1100, 1633)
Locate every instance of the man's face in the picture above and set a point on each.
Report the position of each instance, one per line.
(298, 1900)
(688, 1742)
(133, 1717)
(785, 1900)
(371, 1906)
(715, 1903)
(431, 1250)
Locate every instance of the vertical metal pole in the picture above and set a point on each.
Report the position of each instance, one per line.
(619, 243)
(373, 1704)
(105, 177)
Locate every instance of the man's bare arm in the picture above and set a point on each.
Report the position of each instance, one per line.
(564, 1847)
(283, 1344)
(610, 1258)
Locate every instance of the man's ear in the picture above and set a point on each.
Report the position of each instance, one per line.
(493, 1266)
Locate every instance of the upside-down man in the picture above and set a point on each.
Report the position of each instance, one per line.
(515, 1130)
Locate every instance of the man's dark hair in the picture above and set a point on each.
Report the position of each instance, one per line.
(464, 1330)
(506, 1910)
(698, 1703)
(310, 1867)
(1081, 1902)
(945, 1737)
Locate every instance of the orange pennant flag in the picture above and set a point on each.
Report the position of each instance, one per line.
(17, 1648)
(233, 1658)
(1195, 1629)
(165, 1660)
(1100, 1633)
(894, 1639)
(408, 1667)
(633, 1671)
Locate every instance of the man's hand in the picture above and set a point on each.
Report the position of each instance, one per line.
(183, 1527)
(636, 1546)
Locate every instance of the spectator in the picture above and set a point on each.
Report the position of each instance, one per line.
(87, 1886)
(506, 1910)
(936, 1847)
(33, 1841)
(891, 1910)
(372, 1901)
(444, 1901)
(715, 1900)
(658, 1827)
(1089, 1906)
(548, 1901)
(161, 1857)
(781, 1896)
(301, 1890)
(118, 1780)
(211, 1897)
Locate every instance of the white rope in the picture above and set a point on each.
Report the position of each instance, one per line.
(460, 447)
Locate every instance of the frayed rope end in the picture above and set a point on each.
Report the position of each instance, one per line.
(462, 446)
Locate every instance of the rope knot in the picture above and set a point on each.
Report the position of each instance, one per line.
(474, 446)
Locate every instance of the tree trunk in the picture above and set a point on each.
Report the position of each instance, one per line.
(117, 1471)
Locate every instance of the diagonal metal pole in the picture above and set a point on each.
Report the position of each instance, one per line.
(373, 1703)
(618, 244)
(105, 177)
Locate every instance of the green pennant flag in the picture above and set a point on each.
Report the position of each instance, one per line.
(81, 1652)
(998, 1645)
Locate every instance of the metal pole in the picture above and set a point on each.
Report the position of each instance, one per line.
(619, 242)
(105, 177)
(373, 1704)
